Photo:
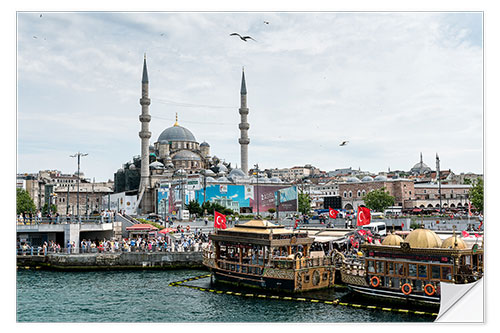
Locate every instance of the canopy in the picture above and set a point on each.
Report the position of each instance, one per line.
(142, 227)
(167, 230)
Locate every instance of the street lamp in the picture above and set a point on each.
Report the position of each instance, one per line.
(181, 173)
(256, 166)
(78, 155)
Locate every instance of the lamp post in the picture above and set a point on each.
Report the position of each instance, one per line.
(256, 166)
(78, 155)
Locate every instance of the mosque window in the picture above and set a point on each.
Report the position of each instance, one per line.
(345, 194)
(359, 193)
(350, 194)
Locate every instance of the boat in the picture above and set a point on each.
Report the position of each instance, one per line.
(412, 269)
(261, 254)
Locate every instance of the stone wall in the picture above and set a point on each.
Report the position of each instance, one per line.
(124, 260)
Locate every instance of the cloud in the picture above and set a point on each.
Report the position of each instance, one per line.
(393, 84)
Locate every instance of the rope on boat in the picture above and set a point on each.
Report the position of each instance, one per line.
(297, 299)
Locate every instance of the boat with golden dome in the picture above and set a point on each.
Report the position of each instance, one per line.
(261, 254)
(413, 268)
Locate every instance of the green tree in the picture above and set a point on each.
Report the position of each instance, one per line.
(476, 195)
(467, 181)
(378, 200)
(24, 203)
(304, 203)
(45, 209)
(194, 208)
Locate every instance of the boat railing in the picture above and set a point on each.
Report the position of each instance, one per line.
(353, 266)
(300, 263)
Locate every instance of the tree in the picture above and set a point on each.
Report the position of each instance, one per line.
(304, 203)
(378, 200)
(24, 203)
(476, 195)
(194, 208)
(45, 209)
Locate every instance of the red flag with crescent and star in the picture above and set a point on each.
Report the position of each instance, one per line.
(332, 213)
(465, 233)
(219, 220)
(364, 215)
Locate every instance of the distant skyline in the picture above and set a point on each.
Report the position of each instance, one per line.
(392, 84)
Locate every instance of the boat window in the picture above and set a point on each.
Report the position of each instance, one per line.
(325, 276)
(467, 260)
(400, 268)
(446, 273)
(390, 268)
(422, 271)
(435, 272)
(306, 278)
(412, 270)
(417, 285)
(380, 267)
(395, 283)
(371, 266)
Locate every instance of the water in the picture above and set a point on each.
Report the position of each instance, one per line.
(144, 296)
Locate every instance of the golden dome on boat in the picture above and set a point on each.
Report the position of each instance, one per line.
(449, 243)
(392, 240)
(423, 238)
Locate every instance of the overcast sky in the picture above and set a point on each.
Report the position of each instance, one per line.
(392, 84)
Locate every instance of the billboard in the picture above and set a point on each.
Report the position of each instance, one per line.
(120, 202)
(245, 196)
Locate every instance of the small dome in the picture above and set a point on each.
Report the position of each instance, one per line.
(132, 167)
(223, 180)
(204, 144)
(380, 178)
(186, 155)
(176, 133)
(367, 179)
(156, 165)
(423, 238)
(392, 240)
(222, 167)
(210, 180)
(275, 180)
(449, 243)
(238, 173)
(210, 173)
(353, 180)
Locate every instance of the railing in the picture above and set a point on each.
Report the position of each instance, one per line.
(64, 220)
(39, 251)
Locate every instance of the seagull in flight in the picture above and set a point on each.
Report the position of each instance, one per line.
(243, 38)
(266, 22)
(343, 143)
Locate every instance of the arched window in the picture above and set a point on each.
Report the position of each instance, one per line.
(363, 193)
(345, 194)
(350, 194)
(359, 193)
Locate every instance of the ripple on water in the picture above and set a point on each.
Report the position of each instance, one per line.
(144, 296)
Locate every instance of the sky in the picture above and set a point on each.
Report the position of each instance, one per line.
(392, 84)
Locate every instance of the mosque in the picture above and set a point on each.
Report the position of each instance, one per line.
(175, 151)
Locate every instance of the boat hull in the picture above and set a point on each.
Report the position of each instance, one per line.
(261, 282)
(396, 295)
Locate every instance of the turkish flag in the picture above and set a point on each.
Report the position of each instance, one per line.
(332, 213)
(364, 215)
(369, 239)
(470, 213)
(465, 233)
(476, 235)
(362, 232)
(219, 220)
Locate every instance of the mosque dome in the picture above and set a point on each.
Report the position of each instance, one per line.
(420, 167)
(367, 179)
(176, 133)
(210, 180)
(222, 167)
(423, 238)
(156, 165)
(223, 180)
(132, 167)
(204, 144)
(380, 178)
(392, 240)
(186, 155)
(449, 243)
(210, 173)
(236, 173)
(353, 180)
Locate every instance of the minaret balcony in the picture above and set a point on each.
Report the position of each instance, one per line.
(145, 118)
(145, 101)
(244, 111)
(244, 141)
(244, 126)
(145, 134)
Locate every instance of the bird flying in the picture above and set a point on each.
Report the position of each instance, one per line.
(343, 143)
(266, 22)
(243, 38)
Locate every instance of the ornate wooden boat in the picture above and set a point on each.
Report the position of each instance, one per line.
(412, 269)
(265, 255)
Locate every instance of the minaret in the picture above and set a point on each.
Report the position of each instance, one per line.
(244, 125)
(144, 134)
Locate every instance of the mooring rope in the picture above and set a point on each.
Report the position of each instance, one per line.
(290, 298)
